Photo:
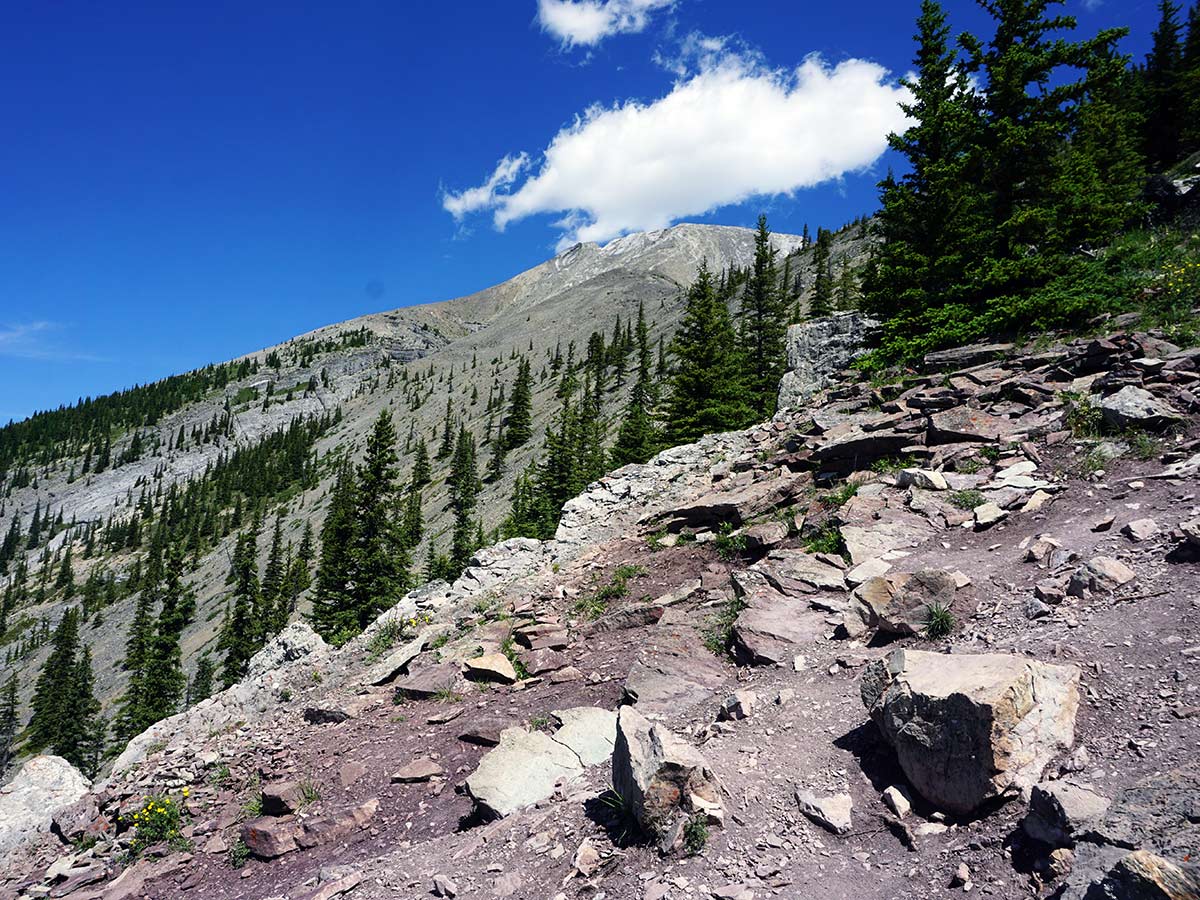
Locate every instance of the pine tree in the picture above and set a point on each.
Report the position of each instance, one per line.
(637, 438)
(412, 524)
(422, 471)
(240, 632)
(762, 327)
(380, 562)
(201, 685)
(51, 696)
(163, 682)
(10, 722)
(332, 614)
(1162, 140)
(705, 393)
(82, 743)
(1190, 82)
(822, 298)
(274, 599)
(518, 424)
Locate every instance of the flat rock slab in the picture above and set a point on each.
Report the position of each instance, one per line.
(795, 572)
(831, 813)
(527, 766)
(429, 682)
(418, 770)
(963, 424)
(674, 671)
(769, 632)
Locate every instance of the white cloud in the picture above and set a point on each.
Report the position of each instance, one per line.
(588, 22)
(29, 340)
(731, 131)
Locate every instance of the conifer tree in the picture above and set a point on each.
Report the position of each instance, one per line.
(201, 685)
(822, 298)
(762, 327)
(412, 525)
(1164, 90)
(421, 467)
(163, 681)
(379, 560)
(274, 582)
(705, 391)
(331, 613)
(518, 424)
(10, 723)
(240, 632)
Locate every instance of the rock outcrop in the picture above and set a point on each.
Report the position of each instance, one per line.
(971, 728)
(819, 349)
(42, 787)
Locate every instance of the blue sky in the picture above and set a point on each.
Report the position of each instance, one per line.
(182, 183)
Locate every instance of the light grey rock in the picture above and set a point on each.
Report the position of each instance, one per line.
(1101, 574)
(490, 667)
(1191, 531)
(794, 572)
(43, 786)
(818, 349)
(1140, 530)
(971, 727)
(987, 515)
(831, 813)
(663, 779)
(523, 769)
(897, 800)
(1061, 811)
(296, 641)
(1135, 407)
(900, 604)
(922, 478)
(738, 705)
(588, 731)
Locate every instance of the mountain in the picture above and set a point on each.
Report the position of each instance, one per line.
(412, 360)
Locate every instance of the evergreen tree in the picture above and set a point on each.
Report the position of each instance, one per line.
(201, 685)
(240, 632)
(332, 614)
(52, 693)
(412, 525)
(822, 298)
(379, 559)
(274, 582)
(637, 438)
(10, 722)
(163, 682)
(1166, 103)
(705, 392)
(518, 424)
(422, 471)
(763, 327)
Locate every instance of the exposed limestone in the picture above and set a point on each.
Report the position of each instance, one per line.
(969, 728)
(831, 813)
(1135, 407)
(664, 780)
(42, 787)
(819, 348)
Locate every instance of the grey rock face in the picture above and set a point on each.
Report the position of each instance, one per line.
(818, 349)
(296, 641)
(1135, 407)
(1060, 811)
(969, 728)
(663, 779)
(831, 813)
(43, 786)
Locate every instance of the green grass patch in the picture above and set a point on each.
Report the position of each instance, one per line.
(967, 500)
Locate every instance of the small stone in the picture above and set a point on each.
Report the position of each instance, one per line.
(987, 515)
(1140, 530)
(962, 876)
(738, 705)
(1105, 523)
(897, 801)
(444, 887)
(831, 813)
(587, 859)
(416, 771)
(490, 667)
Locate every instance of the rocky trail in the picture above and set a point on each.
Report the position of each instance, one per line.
(906, 640)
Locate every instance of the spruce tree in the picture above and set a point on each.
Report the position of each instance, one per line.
(412, 524)
(240, 632)
(706, 395)
(1166, 103)
(379, 560)
(201, 685)
(518, 424)
(274, 582)
(52, 696)
(10, 722)
(422, 471)
(822, 298)
(762, 327)
(331, 613)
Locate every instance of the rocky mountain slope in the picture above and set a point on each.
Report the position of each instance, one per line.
(464, 350)
(904, 641)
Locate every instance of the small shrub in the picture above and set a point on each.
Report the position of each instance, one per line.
(239, 854)
(687, 537)
(343, 636)
(253, 806)
(539, 722)
(890, 465)
(1143, 445)
(220, 776)
(841, 495)
(1083, 418)
(509, 649)
(827, 540)
(655, 541)
(967, 500)
(728, 544)
(285, 695)
(309, 792)
(718, 631)
(990, 452)
(695, 834)
(160, 819)
(1093, 461)
(317, 677)
(939, 621)
(593, 606)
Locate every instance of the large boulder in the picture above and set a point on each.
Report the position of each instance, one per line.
(820, 348)
(665, 781)
(1142, 875)
(45, 785)
(971, 728)
(294, 642)
(1134, 407)
(961, 424)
